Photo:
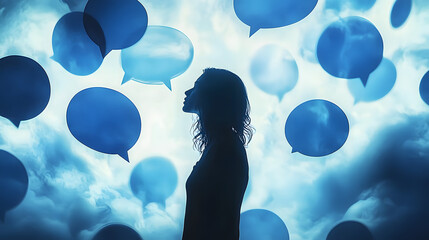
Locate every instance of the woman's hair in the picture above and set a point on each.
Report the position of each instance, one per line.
(222, 106)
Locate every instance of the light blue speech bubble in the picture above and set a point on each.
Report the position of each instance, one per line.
(350, 230)
(400, 12)
(424, 88)
(163, 53)
(257, 224)
(117, 232)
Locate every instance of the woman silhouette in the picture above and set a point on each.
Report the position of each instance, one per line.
(216, 185)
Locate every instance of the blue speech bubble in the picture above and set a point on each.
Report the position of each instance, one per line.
(272, 13)
(380, 82)
(400, 12)
(274, 70)
(153, 180)
(162, 54)
(117, 232)
(338, 5)
(257, 224)
(424, 88)
(13, 182)
(123, 22)
(350, 48)
(317, 128)
(24, 88)
(350, 230)
(72, 47)
(104, 120)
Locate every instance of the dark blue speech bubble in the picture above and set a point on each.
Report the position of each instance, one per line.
(24, 88)
(13, 182)
(350, 230)
(350, 48)
(153, 180)
(424, 88)
(317, 128)
(257, 224)
(400, 12)
(123, 22)
(72, 47)
(272, 13)
(104, 120)
(117, 232)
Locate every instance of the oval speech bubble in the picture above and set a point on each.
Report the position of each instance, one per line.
(424, 88)
(257, 224)
(400, 12)
(317, 128)
(274, 70)
(104, 120)
(117, 232)
(163, 53)
(350, 230)
(72, 47)
(350, 48)
(24, 88)
(272, 13)
(13, 182)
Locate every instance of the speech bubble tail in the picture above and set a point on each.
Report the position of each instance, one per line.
(356, 101)
(54, 58)
(253, 30)
(364, 80)
(125, 79)
(167, 83)
(280, 97)
(124, 155)
(294, 150)
(15, 122)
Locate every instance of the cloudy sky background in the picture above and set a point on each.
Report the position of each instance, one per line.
(380, 177)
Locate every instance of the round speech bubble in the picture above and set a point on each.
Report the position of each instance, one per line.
(424, 88)
(153, 180)
(24, 88)
(117, 232)
(163, 53)
(257, 224)
(104, 120)
(350, 48)
(380, 82)
(123, 22)
(13, 182)
(350, 230)
(274, 70)
(400, 12)
(72, 47)
(317, 128)
(272, 13)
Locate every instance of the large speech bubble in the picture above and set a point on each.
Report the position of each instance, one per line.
(380, 82)
(317, 128)
(272, 13)
(13, 182)
(163, 53)
(400, 12)
(104, 120)
(274, 70)
(257, 224)
(123, 22)
(350, 230)
(350, 48)
(424, 88)
(153, 180)
(72, 47)
(24, 88)
(362, 5)
(117, 232)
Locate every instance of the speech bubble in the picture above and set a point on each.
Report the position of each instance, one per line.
(153, 180)
(123, 22)
(316, 128)
(424, 88)
(380, 82)
(163, 53)
(257, 224)
(24, 88)
(117, 232)
(400, 12)
(338, 5)
(13, 182)
(350, 48)
(350, 230)
(274, 70)
(72, 47)
(272, 13)
(104, 120)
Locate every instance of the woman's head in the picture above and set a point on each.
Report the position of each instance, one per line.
(220, 100)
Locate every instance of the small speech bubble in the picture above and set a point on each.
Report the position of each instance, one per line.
(317, 128)
(350, 230)
(13, 182)
(274, 70)
(104, 120)
(400, 12)
(257, 224)
(153, 180)
(350, 48)
(272, 13)
(24, 88)
(338, 5)
(163, 53)
(117, 232)
(72, 47)
(123, 22)
(424, 88)
(380, 82)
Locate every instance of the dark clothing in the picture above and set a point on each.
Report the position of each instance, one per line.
(215, 191)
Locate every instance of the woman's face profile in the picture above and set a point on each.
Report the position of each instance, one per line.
(191, 99)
